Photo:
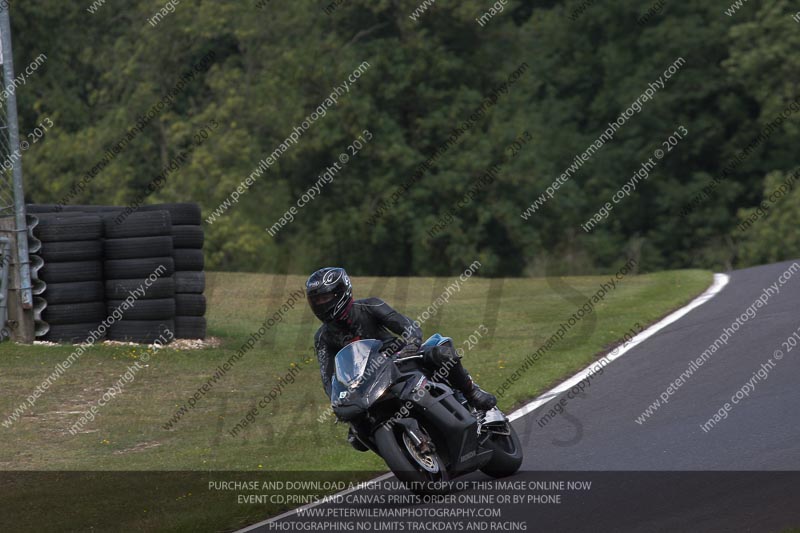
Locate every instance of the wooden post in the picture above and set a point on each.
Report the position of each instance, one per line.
(20, 320)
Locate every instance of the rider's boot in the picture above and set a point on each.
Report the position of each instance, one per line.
(476, 396)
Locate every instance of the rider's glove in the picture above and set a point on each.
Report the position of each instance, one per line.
(409, 350)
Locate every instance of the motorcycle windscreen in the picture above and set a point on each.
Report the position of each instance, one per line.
(350, 403)
(351, 361)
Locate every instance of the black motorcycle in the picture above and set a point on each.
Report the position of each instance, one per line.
(424, 430)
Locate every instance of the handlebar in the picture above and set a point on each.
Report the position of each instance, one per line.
(408, 357)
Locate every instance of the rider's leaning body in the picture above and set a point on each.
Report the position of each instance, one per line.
(345, 320)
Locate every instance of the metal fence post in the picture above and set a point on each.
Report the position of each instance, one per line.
(23, 261)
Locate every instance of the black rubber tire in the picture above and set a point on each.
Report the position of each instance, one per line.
(190, 282)
(37, 209)
(68, 228)
(71, 271)
(390, 448)
(183, 214)
(120, 289)
(61, 251)
(152, 309)
(142, 331)
(507, 456)
(188, 260)
(73, 293)
(71, 333)
(75, 313)
(190, 304)
(190, 327)
(138, 247)
(188, 236)
(150, 224)
(139, 268)
(62, 214)
(93, 209)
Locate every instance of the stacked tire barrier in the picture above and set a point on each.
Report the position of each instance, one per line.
(138, 270)
(103, 262)
(188, 239)
(72, 252)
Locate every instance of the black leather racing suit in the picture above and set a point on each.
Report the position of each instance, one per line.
(370, 318)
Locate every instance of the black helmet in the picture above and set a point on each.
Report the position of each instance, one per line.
(329, 293)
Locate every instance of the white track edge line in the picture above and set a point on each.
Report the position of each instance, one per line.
(720, 280)
(311, 505)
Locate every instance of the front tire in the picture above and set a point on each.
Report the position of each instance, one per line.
(507, 456)
(421, 473)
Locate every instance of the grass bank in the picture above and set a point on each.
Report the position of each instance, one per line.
(143, 428)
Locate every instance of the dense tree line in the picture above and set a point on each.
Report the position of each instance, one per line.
(274, 63)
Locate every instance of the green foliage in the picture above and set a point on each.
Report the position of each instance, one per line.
(768, 233)
(273, 65)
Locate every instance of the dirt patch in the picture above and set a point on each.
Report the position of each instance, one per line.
(139, 447)
(177, 344)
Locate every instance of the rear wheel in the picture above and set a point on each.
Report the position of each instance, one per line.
(420, 468)
(507, 456)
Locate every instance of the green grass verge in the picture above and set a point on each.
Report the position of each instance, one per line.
(128, 433)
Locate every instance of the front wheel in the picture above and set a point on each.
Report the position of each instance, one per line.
(507, 456)
(421, 471)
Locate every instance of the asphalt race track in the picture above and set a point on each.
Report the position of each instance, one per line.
(667, 473)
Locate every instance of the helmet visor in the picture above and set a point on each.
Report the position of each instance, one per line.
(321, 299)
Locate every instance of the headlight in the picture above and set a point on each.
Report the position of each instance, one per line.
(382, 383)
(380, 390)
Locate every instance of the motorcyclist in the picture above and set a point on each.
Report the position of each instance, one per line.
(344, 320)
